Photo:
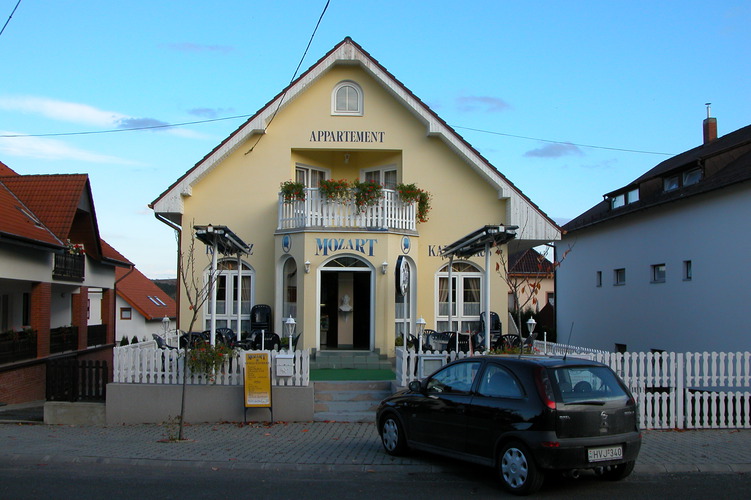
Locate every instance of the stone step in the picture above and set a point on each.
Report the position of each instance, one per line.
(349, 401)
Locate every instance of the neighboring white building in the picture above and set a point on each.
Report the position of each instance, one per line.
(141, 307)
(662, 262)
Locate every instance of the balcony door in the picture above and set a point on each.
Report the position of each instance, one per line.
(311, 177)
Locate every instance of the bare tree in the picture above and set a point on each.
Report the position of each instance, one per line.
(197, 291)
(525, 286)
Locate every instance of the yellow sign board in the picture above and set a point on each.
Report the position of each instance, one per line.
(257, 380)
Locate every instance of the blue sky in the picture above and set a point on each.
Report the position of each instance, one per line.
(509, 76)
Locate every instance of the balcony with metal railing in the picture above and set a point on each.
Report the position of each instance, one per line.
(316, 212)
(70, 267)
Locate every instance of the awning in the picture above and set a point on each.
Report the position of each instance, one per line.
(475, 242)
(227, 242)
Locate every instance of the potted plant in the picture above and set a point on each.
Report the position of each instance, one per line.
(292, 191)
(207, 359)
(367, 194)
(410, 193)
(335, 190)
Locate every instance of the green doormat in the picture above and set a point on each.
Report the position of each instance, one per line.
(350, 374)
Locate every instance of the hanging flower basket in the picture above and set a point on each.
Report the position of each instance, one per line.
(410, 193)
(335, 190)
(367, 194)
(292, 191)
(74, 248)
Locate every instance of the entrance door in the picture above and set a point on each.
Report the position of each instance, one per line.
(345, 306)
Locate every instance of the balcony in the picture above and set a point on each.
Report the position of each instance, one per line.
(315, 212)
(70, 267)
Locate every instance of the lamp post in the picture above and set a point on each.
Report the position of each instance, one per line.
(420, 331)
(531, 327)
(290, 325)
(165, 325)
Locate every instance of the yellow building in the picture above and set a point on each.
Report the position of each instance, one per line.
(339, 268)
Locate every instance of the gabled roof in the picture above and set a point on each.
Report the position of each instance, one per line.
(534, 223)
(49, 210)
(52, 198)
(19, 223)
(730, 160)
(143, 295)
(529, 262)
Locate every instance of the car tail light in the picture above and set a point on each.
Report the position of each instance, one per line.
(550, 444)
(544, 388)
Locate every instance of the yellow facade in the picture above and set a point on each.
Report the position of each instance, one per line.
(237, 186)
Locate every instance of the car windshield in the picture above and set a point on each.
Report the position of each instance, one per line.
(587, 385)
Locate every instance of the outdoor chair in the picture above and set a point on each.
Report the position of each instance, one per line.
(226, 336)
(438, 341)
(464, 341)
(271, 341)
(192, 339)
(161, 343)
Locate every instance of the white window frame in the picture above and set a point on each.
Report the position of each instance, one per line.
(310, 175)
(459, 317)
(367, 174)
(347, 112)
(229, 317)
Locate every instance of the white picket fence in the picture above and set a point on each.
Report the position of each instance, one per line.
(150, 365)
(708, 390)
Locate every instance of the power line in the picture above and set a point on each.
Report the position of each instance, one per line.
(10, 17)
(565, 142)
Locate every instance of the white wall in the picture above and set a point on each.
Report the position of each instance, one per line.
(706, 313)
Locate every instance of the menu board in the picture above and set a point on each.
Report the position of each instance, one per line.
(257, 380)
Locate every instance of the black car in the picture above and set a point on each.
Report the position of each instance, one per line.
(521, 415)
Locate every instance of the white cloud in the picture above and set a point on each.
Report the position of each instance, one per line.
(52, 149)
(63, 111)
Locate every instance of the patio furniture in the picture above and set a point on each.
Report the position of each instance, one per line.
(193, 339)
(271, 341)
(261, 318)
(464, 342)
(438, 341)
(495, 326)
(161, 343)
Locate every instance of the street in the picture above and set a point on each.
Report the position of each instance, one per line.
(33, 480)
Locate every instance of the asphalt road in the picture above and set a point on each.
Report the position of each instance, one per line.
(29, 480)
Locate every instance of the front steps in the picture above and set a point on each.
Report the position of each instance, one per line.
(349, 401)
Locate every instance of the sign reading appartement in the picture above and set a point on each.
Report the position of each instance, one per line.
(346, 136)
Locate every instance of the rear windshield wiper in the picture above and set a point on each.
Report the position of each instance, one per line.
(591, 403)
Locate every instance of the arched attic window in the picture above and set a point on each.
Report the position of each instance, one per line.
(346, 99)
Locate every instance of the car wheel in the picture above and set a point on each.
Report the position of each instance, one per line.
(392, 436)
(615, 472)
(517, 470)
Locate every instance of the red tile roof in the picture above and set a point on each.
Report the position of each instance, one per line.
(54, 199)
(143, 295)
(530, 262)
(18, 222)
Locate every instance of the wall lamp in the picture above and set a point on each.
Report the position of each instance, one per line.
(307, 267)
(384, 267)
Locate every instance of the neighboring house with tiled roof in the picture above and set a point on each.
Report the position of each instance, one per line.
(141, 306)
(533, 277)
(661, 262)
(51, 258)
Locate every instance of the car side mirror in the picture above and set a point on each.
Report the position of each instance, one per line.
(415, 386)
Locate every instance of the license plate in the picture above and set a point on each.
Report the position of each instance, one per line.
(606, 453)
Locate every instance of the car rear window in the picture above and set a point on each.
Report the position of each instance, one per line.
(577, 384)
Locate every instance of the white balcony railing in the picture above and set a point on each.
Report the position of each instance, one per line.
(316, 212)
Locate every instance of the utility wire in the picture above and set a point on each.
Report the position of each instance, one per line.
(565, 142)
(281, 100)
(10, 17)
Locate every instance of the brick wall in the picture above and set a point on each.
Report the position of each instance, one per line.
(23, 384)
(41, 294)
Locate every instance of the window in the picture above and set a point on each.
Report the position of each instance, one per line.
(226, 296)
(633, 195)
(156, 301)
(598, 279)
(692, 176)
(465, 298)
(455, 379)
(498, 382)
(687, 270)
(618, 200)
(619, 276)
(671, 183)
(309, 176)
(551, 298)
(126, 313)
(385, 176)
(346, 99)
(658, 273)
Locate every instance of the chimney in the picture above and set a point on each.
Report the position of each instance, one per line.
(710, 126)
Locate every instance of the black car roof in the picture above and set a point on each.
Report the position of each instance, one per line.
(546, 361)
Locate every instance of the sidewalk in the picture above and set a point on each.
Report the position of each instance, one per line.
(317, 446)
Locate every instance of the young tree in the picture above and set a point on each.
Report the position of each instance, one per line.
(524, 274)
(196, 291)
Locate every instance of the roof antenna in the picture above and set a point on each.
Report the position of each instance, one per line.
(569, 341)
